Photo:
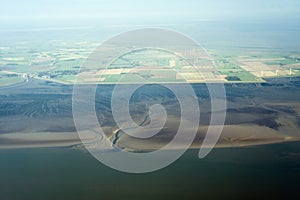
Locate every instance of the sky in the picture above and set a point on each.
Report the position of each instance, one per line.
(18, 12)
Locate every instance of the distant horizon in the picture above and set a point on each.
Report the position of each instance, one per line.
(18, 14)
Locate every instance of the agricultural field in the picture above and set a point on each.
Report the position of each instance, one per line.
(62, 62)
(53, 60)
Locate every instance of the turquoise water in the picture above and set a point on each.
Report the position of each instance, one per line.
(236, 173)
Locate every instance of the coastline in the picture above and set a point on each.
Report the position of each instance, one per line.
(232, 136)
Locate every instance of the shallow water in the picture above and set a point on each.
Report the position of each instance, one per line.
(230, 173)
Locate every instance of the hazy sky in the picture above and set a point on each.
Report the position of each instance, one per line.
(31, 11)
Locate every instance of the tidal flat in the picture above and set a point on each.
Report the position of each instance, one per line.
(41, 156)
(39, 114)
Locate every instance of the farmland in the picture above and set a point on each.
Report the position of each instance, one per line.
(63, 62)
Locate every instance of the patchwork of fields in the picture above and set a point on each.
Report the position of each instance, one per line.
(60, 62)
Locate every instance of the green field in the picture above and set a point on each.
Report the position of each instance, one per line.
(61, 62)
(230, 69)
